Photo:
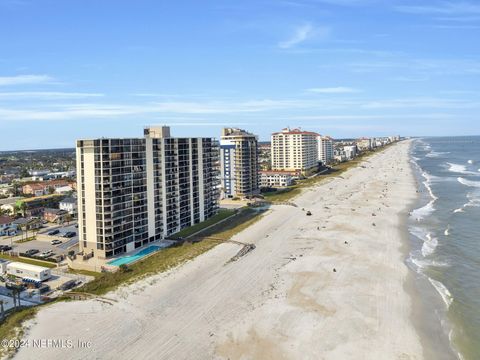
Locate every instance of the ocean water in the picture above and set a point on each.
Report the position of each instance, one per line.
(445, 238)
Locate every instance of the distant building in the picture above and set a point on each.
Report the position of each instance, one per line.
(325, 149)
(43, 175)
(63, 190)
(34, 206)
(350, 151)
(69, 204)
(294, 150)
(46, 187)
(9, 204)
(277, 178)
(239, 163)
(55, 215)
(365, 144)
(134, 191)
(26, 224)
(6, 226)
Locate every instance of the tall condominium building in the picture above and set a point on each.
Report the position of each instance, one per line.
(325, 149)
(135, 191)
(294, 150)
(239, 166)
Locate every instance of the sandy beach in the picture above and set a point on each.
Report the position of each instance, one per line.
(282, 300)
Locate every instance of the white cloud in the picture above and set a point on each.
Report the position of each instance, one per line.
(443, 7)
(245, 109)
(333, 90)
(51, 95)
(303, 33)
(371, 117)
(24, 79)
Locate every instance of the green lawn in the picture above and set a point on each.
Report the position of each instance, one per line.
(28, 261)
(171, 257)
(222, 214)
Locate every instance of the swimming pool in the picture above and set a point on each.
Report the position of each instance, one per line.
(131, 258)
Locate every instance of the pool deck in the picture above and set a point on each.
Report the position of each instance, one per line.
(162, 244)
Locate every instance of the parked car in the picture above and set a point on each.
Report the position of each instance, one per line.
(31, 252)
(5, 248)
(46, 254)
(44, 288)
(69, 234)
(53, 232)
(56, 242)
(68, 285)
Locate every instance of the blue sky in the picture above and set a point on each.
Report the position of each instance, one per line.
(346, 68)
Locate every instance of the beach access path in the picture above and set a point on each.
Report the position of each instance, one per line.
(282, 300)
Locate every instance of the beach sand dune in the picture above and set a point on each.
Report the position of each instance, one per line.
(281, 301)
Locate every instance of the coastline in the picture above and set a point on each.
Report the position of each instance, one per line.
(283, 298)
(429, 315)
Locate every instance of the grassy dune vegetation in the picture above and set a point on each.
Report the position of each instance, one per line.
(171, 257)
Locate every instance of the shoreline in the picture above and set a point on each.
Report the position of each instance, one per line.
(282, 299)
(425, 316)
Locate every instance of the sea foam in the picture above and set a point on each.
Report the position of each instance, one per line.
(443, 291)
(469, 183)
(429, 246)
(460, 169)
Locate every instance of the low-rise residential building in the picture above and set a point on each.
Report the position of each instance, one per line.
(34, 206)
(55, 215)
(295, 150)
(7, 228)
(64, 190)
(277, 178)
(69, 204)
(27, 224)
(47, 187)
(9, 204)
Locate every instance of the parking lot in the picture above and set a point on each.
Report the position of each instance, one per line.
(43, 241)
(32, 297)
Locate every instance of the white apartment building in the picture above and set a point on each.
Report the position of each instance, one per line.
(350, 151)
(135, 191)
(294, 150)
(276, 178)
(325, 149)
(238, 163)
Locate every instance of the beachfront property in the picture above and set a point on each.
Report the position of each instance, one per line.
(365, 144)
(238, 163)
(325, 149)
(277, 178)
(134, 191)
(350, 151)
(295, 150)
